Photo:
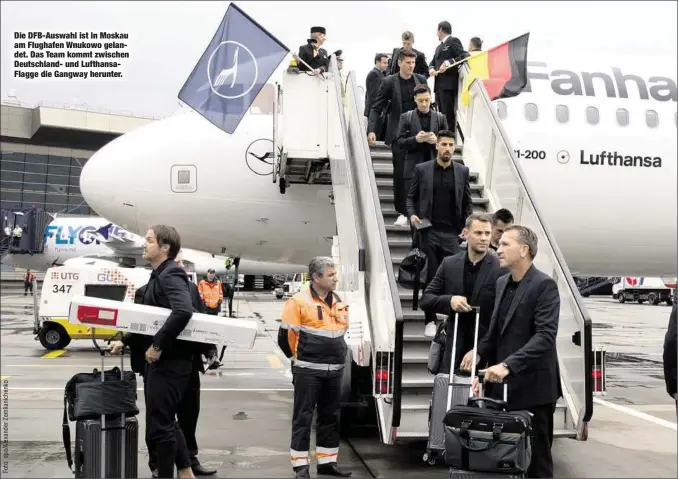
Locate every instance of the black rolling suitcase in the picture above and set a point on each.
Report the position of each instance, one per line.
(448, 390)
(484, 439)
(103, 452)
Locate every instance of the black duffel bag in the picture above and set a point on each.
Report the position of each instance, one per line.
(413, 270)
(87, 397)
(485, 437)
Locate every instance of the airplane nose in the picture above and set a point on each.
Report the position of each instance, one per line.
(107, 183)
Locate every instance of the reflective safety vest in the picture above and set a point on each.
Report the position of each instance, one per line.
(18, 232)
(211, 293)
(312, 332)
(29, 277)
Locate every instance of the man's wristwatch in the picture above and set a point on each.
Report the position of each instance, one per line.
(155, 348)
(506, 366)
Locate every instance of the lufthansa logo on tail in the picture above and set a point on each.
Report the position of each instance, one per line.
(237, 68)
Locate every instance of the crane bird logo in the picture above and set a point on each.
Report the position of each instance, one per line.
(242, 67)
(229, 72)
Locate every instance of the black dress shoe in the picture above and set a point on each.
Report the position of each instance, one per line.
(200, 470)
(302, 473)
(331, 469)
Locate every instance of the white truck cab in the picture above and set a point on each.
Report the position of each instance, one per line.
(62, 283)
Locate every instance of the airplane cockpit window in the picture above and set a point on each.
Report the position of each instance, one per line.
(562, 114)
(592, 115)
(531, 112)
(501, 110)
(651, 118)
(622, 117)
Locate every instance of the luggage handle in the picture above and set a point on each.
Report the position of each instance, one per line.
(476, 309)
(502, 404)
(481, 380)
(123, 418)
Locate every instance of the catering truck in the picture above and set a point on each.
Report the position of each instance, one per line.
(642, 289)
(62, 283)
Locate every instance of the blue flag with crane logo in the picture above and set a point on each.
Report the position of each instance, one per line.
(234, 68)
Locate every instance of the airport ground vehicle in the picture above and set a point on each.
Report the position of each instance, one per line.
(642, 289)
(61, 283)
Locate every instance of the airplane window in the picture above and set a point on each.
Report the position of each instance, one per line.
(184, 177)
(562, 114)
(651, 118)
(592, 115)
(501, 110)
(531, 112)
(622, 117)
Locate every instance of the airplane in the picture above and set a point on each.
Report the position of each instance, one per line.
(95, 240)
(597, 144)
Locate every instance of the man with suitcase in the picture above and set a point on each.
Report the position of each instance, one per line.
(521, 342)
(169, 361)
(464, 280)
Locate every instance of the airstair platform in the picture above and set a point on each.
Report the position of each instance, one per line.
(388, 338)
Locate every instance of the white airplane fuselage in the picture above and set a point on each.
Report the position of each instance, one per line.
(612, 218)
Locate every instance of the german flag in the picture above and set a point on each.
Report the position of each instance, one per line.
(503, 69)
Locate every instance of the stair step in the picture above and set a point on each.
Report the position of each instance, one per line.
(415, 399)
(389, 196)
(479, 204)
(416, 376)
(416, 353)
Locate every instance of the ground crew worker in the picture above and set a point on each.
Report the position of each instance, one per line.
(17, 233)
(312, 330)
(28, 282)
(211, 293)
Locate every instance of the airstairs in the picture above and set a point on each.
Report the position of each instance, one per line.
(386, 334)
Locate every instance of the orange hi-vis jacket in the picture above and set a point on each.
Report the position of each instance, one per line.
(211, 293)
(29, 277)
(312, 331)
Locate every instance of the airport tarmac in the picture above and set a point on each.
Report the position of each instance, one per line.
(245, 416)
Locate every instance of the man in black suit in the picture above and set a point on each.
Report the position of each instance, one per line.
(521, 342)
(169, 360)
(372, 84)
(441, 194)
(671, 357)
(189, 408)
(420, 65)
(464, 280)
(313, 54)
(446, 86)
(395, 97)
(416, 142)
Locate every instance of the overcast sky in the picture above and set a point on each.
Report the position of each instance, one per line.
(168, 38)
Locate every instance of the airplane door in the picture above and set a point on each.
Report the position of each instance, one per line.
(184, 178)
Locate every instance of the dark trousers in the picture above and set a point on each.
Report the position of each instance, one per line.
(165, 385)
(447, 104)
(229, 301)
(212, 311)
(324, 390)
(437, 245)
(399, 184)
(189, 409)
(28, 287)
(542, 440)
